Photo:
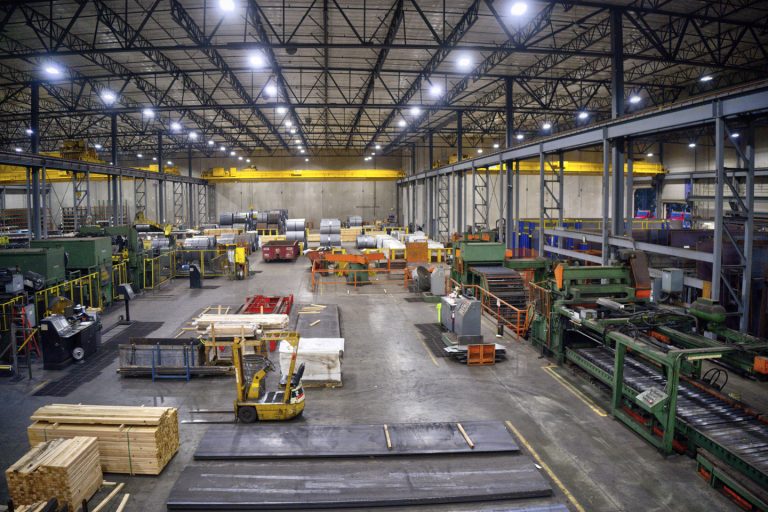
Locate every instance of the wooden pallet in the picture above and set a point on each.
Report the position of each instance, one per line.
(65, 469)
(132, 440)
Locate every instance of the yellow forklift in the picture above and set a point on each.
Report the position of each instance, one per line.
(253, 401)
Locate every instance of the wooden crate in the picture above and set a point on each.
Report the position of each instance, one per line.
(132, 440)
(65, 469)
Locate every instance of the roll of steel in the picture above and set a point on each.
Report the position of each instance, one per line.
(294, 236)
(261, 217)
(227, 219)
(240, 218)
(142, 228)
(330, 226)
(295, 225)
(330, 240)
(161, 243)
(273, 217)
(366, 242)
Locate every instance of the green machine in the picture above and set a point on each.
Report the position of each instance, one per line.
(85, 256)
(650, 356)
(49, 263)
(126, 245)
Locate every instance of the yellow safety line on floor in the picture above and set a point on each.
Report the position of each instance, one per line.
(38, 387)
(429, 353)
(570, 387)
(546, 467)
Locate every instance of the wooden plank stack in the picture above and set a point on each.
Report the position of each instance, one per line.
(65, 469)
(350, 234)
(132, 440)
(40, 506)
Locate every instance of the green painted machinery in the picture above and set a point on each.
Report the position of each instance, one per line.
(469, 253)
(85, 256)
(46, 262)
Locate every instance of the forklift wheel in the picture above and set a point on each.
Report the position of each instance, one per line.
(247, 414)
(78, 353)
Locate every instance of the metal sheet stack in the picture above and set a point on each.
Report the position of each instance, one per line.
(65, 469)
(295, 230)
(355, 221)
(366, 242)
(133, 440)
(200, 242)
(330, 232)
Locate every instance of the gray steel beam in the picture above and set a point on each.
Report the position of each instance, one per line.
(509, 218)
(459, 137)
(509, 110)
(617, 64)
(460, 202)
(749, 225)
(692, 112)
(606, 198)
(573, 254)
(717, 248)
(190, 192)
(517, 202)
(431, 150)
(617, 188)
(35, 170)
(542, 187)
(627, 243)
(629, 195)
(112, 180)
(161, 182)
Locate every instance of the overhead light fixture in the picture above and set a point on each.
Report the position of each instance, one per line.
(415, 111)
(169, 162)
(634, 99)
(211, 143)
(378, 147)
(154, 159)
(176, 127)
(706, 78)
(373, 153)
(148, 113)
(222, 148)
(306, 159)
(546, 126)
(139, 155)
(227, 5)
(649, 155)
(519, 136)
(583, 115)
(18, 150)
(108, 96)
(735, 135)
(281, 110)
(288, 123)
(98, 146)
(271, 90)
(297, 141)
(193, 135)
(692, 145)
(479, 151)
(496, 146)
(240, 158)
(248, 160)
(402, 123)
(519, 8)
(232, 153)
(303, 151)
(464, 62)
(436, 90)
(29, 131)
(52, 69)
(257, 60)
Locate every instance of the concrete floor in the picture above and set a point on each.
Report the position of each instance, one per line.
(390, 377)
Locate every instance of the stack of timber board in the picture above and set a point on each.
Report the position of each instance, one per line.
(231, 325)
(65, 469)
(40, 506)
(132, 440)
(350, 234)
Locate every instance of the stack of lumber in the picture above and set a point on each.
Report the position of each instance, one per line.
(40, 506)
(133, 440)
(225, 325)
(313, 237)
(263, 239)
(350, 234)
(65, 469)
(222, 231)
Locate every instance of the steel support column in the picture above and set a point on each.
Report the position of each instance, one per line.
(460, 202)
(617, 64)
(178, 203)
(161, 181)
(35, 171)
(509, 218)
(542, 189)
(431, 150)
(749, 234)
(629, 194)
(517, 202)
(617, 188)
(190, 198)
(459, 136)
(717, 249)
(431, 207)
(140, 196)
(509, 111)
(112, 180)
(443, 207)
(202, 204)
(605, 249)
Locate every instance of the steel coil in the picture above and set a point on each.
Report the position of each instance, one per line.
(240, 218)
(333, 240)
(227, 219)
(366, 242)
(330, 226)
(261, 217)
(295, 225)
(294, 236)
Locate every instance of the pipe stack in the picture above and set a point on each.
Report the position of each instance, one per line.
(330, 233)
(295, 230)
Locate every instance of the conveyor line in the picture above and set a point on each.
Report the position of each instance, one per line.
(506, 284)
(742, 435)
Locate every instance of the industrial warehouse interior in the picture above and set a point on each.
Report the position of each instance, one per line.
(422, 255)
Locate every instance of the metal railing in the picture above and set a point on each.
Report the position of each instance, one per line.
(374, 275)
(212, 262)
(85, 290)
(159, 270)
(493, 306)
(119, 276)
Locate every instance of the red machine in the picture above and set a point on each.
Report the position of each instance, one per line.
(286, 250)
(267, 305)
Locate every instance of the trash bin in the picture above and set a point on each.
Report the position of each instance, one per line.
(195, 276)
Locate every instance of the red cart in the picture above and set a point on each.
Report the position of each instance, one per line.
(285, 250)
